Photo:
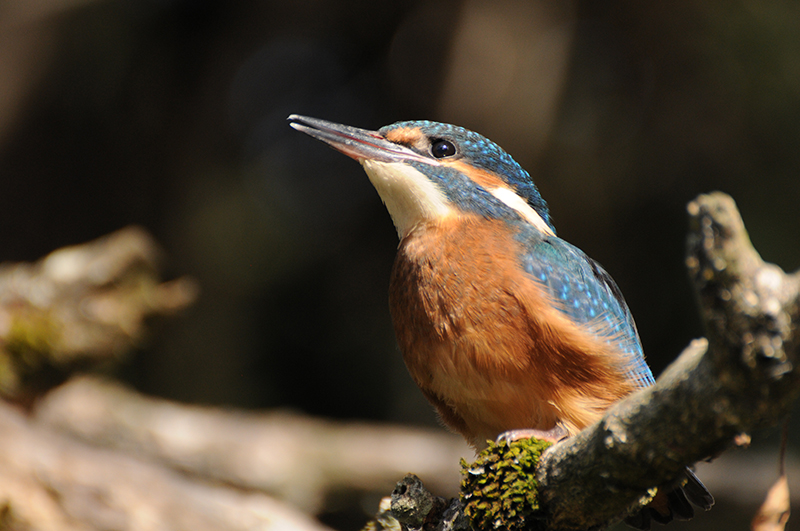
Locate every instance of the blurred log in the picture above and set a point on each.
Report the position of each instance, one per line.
(294, 457)
(80, 306)
(49, 481)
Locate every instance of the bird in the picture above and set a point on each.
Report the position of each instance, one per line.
(507, 329)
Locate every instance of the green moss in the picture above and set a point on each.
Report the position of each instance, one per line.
(29, 349)
(31, 337)
(499, 490)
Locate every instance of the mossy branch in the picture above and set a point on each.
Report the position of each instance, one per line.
(744, 377)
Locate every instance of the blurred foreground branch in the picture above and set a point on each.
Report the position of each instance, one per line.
(95, 455)
(80, 306)
(50, 482)
(294, 457)
(745, 377)
(189, 467)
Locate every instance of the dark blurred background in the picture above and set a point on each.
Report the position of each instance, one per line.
(171, 114)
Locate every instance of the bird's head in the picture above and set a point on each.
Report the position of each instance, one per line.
(427, 171)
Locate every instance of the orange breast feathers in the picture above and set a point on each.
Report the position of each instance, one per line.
(487, 344)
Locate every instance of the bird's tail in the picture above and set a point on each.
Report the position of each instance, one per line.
(674, 503)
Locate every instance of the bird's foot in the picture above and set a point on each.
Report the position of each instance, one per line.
(553, 435)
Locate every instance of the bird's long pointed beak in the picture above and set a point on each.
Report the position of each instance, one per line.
(360, 144)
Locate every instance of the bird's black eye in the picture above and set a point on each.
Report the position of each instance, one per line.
(442, 148)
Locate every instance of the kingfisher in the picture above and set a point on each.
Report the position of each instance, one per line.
(508, 330)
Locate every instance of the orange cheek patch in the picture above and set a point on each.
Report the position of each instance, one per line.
(482, 178)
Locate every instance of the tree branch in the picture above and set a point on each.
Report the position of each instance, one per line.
(746, 380)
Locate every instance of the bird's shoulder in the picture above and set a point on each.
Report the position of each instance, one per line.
(584, 291)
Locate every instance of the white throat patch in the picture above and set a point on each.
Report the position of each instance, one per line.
(409, 196)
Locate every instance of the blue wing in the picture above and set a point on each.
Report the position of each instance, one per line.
(588, 294)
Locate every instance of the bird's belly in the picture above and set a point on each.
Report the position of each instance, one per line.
(469, 347)
(487, 402)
